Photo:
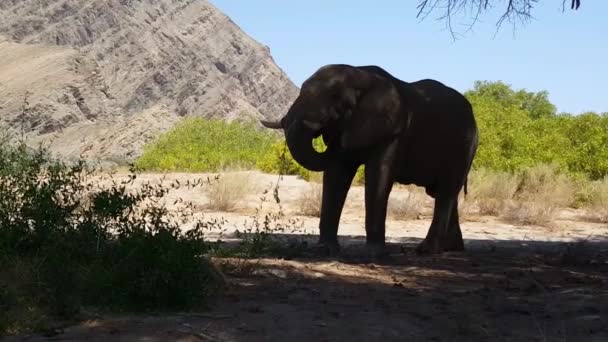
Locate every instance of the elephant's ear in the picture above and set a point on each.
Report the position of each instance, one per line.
(376, 117)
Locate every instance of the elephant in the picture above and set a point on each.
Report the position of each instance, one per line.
(421, 133)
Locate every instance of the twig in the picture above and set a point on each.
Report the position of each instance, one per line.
(205, 315)
(205, 337)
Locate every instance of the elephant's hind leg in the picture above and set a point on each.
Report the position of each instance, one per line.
(435, 238)
(453, 241)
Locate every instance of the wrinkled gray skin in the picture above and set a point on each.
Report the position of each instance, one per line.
(421, 133)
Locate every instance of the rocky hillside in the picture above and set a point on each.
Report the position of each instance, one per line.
(101, 78)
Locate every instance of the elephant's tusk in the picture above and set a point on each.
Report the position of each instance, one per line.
(271, 124)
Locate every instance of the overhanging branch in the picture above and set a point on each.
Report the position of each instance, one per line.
(516, 11)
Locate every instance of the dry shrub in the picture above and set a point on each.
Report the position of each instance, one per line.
(410, 207)
(310, 200)
(598, 200)
(542, 191)
(492, 191)
(530, 212)
(225, 192)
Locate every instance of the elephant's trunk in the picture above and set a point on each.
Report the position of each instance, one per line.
(299, 140)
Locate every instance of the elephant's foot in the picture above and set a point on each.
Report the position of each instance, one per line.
(436, 246)
(429, 246)
(327, 249)
(377, 250)
(453, 244)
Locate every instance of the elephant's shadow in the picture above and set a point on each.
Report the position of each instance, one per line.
(402, 251)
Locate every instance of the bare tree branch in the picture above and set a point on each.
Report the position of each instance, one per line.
(574, 5)
(516, 12)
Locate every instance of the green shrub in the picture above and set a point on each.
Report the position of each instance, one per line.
(66, 243)
(520, 129)
(201, 145)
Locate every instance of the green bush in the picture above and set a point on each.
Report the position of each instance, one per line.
(201, 145)
(67, 243)
(520, 129)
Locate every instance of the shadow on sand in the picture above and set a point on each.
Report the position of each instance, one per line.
(494, 291)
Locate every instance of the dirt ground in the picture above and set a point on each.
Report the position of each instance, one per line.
(513, 283)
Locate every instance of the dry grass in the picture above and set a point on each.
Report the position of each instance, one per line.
(310, 200)
(316, 177)
(542, 192)
(532, 197)
(492, 191)
(225, 192)
(410, 206)
(598, 200)
(530, 212)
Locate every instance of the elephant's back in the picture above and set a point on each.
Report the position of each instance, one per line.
(438, 112)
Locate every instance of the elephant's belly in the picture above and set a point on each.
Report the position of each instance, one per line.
(417, 176)
(432, 164)
(417, 169)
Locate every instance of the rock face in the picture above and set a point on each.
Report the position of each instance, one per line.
(101, 78)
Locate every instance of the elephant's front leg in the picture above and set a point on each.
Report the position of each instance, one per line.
(438, 231)
(337, 179)
(379, 174)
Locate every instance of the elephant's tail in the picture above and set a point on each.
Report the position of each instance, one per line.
(472, 152)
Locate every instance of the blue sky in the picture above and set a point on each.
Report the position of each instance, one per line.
(563, 53)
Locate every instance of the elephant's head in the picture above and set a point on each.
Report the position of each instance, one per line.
(350, 106)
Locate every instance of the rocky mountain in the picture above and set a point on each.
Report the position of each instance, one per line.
(101, 78)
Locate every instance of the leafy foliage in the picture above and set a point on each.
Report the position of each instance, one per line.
(197, 144)
(519, 129)
(67, 242)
